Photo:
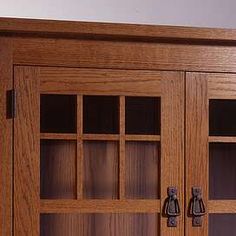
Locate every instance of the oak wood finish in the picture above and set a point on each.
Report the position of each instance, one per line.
(111, 30)
(221, 86)
(58, 136)
(99, 81)
(100, 206)
(221, 139)
(222, 206)
(6, 138)
(26, 155)
(122, 60)
(80, 147)
(122, 138)
(196, 151)
(124, 55)
(111, 137)
(172, 145)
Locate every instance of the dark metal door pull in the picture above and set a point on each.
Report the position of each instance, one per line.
(197, 207)
(172, 209)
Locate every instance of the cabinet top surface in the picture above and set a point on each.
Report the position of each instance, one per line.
(113, 30)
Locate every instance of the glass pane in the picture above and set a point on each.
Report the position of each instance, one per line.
(101, 170)
(222, 117)
(101, 114)
(58, 113)
(222, 224)
(142, 170)
(57, 169)
(99, 225)
(142, 115)
(222, 171)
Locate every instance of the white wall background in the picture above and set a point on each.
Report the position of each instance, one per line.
(208, 13)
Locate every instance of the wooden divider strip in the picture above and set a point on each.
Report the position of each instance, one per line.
(80, 165)
(122, 149)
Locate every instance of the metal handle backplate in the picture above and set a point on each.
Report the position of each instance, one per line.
(172, 209)
(197, 206)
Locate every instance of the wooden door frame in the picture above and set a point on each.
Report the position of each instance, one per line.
(168, 85)
(200, 88)
(6, 137)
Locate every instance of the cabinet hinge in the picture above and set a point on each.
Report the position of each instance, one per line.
(11, 104)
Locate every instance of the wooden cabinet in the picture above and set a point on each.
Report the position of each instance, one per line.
(116, 130)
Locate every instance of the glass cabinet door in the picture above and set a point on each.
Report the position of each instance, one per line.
(211, 151)
(95, 151)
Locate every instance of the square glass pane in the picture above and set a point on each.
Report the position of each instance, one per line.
(101, 114)
(222, 117)
(222, 171)
(142, 115)
(101, 170)
(142, 170)
(57, 113)
(99, 224)
(222, 224)
(57, 169)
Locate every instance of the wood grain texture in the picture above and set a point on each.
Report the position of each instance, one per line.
(80, 148)
(221, 86)
(124, 55)
(100, 206)
(6, 83)
(222, 206)
(122, 147)
(58, 136)
(133, 137)
(58, 169)
(99, 224)
(99, 81)
(26, 153)
(113, 137)
(172, 145)
(111, 30)
(196, 173)
(221, 139)
(104, 137)
(101, 170)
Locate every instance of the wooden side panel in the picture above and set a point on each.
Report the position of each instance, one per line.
(26, 153)
(6, 83)
(196, 145)
(123, 55)
(172, 145)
